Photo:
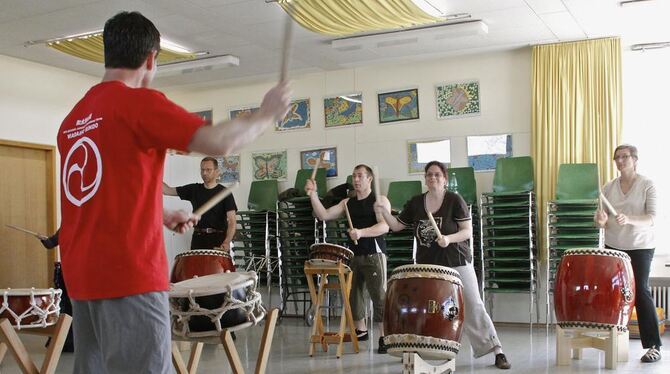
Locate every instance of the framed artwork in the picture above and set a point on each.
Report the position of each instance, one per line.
(207, 116)
(309, 158)
(298, 117)
(343, 110)
(483, 151)
(229, 169)
(398, 105)
(269, 165)
(421, 152)
(243, 112)
(457, 100)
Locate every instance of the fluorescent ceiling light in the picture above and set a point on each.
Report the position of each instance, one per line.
(645, 46)
(436, 8)
(414, 35)
(200, 64)
(633, 2)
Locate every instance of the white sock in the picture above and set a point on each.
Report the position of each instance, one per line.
(497, 350)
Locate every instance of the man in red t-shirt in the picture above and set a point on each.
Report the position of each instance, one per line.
(112, 146)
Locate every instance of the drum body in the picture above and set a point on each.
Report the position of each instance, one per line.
(424, 311)
(329, 254)
(594, 288)
(30, 307)
(198, 263)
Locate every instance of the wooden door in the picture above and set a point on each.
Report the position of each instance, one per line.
(28, 200)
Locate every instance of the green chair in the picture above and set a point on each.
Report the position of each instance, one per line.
(513, 175)
(577, 182)
(304, 174)
(263, 195)
(464, 182)
(401, 191)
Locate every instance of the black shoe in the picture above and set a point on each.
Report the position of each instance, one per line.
(652, 355)
(501, 362)
(382, 347)
(362, 335)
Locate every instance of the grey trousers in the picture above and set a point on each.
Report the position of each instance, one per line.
(477, 326)
(369, 272)
(123, 335)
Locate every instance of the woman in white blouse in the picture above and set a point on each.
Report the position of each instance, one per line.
(633, 197)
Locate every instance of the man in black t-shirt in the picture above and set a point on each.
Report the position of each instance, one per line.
(216, 228)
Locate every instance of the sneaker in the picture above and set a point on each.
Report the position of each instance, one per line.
(382, 347)
(652, 355)
(362, 335)
(501, 362)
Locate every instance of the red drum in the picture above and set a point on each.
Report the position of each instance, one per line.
(30, 307)
(199, 262)
(321, 254)
(423, 312)
(594, 288)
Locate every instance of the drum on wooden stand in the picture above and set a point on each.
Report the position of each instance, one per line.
(30, 307)
(326, 254)
(424, 311)
(204, 306)
(594, 288)
(199, 262)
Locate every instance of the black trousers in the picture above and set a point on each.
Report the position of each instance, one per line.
(644, 304)
(201, 240)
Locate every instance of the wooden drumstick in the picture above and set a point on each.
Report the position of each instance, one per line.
(33, 233)
(316, 166)
(351, 226)
(215, 200)
(609, 206)
(286, 51)
(376, 181)
(434, 224)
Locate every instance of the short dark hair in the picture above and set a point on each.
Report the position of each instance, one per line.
(367, 169)
(438, 164)
(213, 160)
(129, 38)
(631, 148)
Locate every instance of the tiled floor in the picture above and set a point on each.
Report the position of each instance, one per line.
(529, 352)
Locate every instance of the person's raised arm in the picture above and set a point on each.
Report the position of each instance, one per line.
(230, 136)
(169, 191)
(390, 220)
(319, 210)
(380, 228)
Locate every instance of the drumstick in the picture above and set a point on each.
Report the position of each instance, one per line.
(39, 236)
(376, 181)
(286, 51)
(351, 226)
(609, 206)
(435, 227)
(316, 166)
(215, 200)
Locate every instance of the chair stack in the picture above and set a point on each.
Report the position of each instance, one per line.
(462, 181)
(508, 231)
(569, 218)
(296, 232)
(400, 245)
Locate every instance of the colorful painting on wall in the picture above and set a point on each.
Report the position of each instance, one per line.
(207, 116)
(457, 100)
(343, 110)
(421, 152)
(269, 165)
(229, 169)
(398, 106)
(298, 117)
(309, 158)
(483, 151)
(242, 112)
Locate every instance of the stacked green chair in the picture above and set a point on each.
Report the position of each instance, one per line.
(400, 245)
(401, 192)
(304, 174)
(462, 181)
(256, 232)
(569, 218)
(508, 232)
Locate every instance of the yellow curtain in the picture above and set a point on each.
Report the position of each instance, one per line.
(575, 112)
(91, 48)
(346, 17)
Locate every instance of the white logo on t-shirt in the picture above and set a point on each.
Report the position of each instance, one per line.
(91, 159)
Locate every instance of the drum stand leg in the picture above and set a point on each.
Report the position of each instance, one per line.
(412, 363)
(613, 343)
(57, 332)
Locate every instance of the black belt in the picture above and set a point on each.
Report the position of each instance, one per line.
(207, 230)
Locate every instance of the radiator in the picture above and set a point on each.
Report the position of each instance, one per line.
(661, 296)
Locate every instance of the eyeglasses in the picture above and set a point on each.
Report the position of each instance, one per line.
(436, 175)
(622, 157)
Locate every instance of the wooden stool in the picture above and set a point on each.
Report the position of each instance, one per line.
(319, 335)
(613, 342)
(10, 339)
(229, 346)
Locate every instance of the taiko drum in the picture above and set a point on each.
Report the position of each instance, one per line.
(329, 253)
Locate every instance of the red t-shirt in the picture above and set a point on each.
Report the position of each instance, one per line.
(112, 149)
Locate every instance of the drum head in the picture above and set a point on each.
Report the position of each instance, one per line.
(203, 252)
(212, 284)
(30, 291)
(325, 246)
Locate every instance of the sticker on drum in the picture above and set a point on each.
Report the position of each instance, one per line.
(30, 307)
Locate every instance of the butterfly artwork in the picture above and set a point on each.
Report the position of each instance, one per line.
(269, 165)
(308, 160)
(298, 117)
(343, 110)
(398, 105)
(229, 169)
(457, 100)
(243, 112)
